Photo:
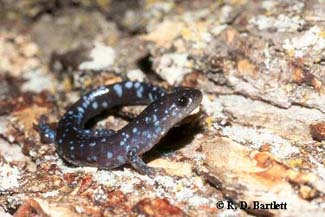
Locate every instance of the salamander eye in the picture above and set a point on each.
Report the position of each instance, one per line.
(182, 101)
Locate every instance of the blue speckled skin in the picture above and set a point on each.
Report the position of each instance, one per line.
(108, 149)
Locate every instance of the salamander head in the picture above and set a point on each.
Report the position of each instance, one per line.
(173, 108)
(186, 100)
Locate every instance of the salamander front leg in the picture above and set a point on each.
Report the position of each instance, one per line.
(138, 164)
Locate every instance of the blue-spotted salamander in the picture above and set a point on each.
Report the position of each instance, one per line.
(108, 149)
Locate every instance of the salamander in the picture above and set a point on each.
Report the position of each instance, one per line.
(108, 149)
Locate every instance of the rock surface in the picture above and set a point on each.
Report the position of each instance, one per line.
(260, 135)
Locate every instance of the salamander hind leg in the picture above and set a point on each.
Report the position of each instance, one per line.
(47, 134)
(138, 164)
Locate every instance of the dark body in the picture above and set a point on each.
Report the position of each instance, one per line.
(108, 149)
